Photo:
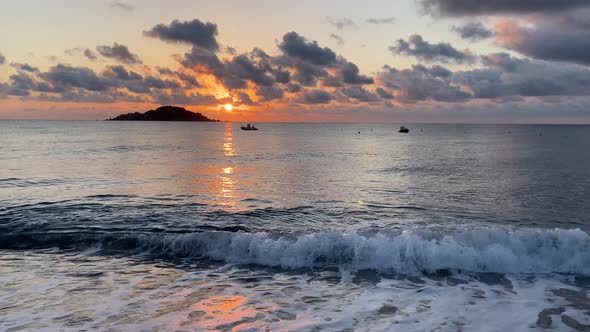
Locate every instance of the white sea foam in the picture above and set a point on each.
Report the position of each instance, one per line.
(478, 250)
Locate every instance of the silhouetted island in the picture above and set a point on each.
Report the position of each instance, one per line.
(164, 113)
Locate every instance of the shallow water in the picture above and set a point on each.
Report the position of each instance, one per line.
(201, 226)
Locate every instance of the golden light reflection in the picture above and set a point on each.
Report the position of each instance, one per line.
(228, 145)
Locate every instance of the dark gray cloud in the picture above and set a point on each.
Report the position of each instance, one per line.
(337, 38)
(189, 80)
(25, 67)
(419, 84)
(118, 52)
(195, 32)
(546, 41)
(441, 52)
(183, 98)
(473, 31)
(244, 67)
(244, 99)
(2, 59)
(379, 21)
(158, 83)
(341, 23)
(360, 94)
(316, 97)
(332, 81)
(297, 46)
(80, 77)
(383, 93)
(350, 75)
(268, 93)
(508, 76)
(282, 76)
(491, 7)
(307, 74)
(119, 72)
(90, 55)
(122, 5)
(203, 58)
(293, 87)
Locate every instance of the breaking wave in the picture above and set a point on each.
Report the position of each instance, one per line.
(478, 250)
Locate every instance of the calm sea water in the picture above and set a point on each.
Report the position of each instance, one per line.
(202, 226)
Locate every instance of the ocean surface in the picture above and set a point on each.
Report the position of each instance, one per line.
(141, 226)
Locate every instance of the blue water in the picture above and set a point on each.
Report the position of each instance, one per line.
(507, 199)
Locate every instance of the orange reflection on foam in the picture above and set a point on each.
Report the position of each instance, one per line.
(222, 310)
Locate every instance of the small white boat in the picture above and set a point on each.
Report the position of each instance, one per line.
(248, 127)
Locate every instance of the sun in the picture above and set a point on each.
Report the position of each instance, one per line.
(228, 107)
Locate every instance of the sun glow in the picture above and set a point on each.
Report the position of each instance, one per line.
(228, 107)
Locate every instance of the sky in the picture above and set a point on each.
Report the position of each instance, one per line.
(494, 61)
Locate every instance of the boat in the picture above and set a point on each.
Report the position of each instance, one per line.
(404, 130)
(248, 127)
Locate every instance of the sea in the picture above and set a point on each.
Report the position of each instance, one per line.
(177, 226)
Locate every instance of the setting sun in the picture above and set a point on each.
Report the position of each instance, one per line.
(228, 107)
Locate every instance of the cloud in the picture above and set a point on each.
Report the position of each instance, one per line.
(360, 94)
(24, 67)
(547, 41)
(493, 7)
(2, 59)
(337, 38)
(342, 23)
(442, 52)
(507, 76)
(420, 84)
(122, 5)
(473, 31)
(316, 97)
(182, 98)
(195, 32)
(119, 72)
(90, 55)
(297, 46)
(379, 21)
(119, 52)
(384, 94)
(268, 93)
(244, 99)
(350, 75)
(80, 77)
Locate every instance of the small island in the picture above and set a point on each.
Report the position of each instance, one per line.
(164, 113)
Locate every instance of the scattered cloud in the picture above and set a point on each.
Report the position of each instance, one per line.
(24, 67)
(425, 51)
(493, 7)
(199, 34)
(119, 52)
(473, 31)
(316, 97)
(547, 41)
(297, 46)
(2, 59)
(337, 38)
(380, 21)
(341, 23)
(122, 5)
(90, 55)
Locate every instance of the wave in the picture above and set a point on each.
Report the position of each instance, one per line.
(411, 251)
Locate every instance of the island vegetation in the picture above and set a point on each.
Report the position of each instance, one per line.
(164, 113)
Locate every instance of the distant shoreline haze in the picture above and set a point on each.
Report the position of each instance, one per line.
(164, 113)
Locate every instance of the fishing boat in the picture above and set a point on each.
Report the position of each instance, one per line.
(404, 130)
(248, 127)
